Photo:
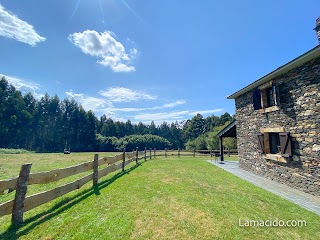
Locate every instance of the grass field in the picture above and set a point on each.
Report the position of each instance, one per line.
(172, 198)
(13, 151)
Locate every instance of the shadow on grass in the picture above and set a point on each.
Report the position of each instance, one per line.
(16, 231)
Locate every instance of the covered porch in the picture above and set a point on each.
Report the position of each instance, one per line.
(228, 131)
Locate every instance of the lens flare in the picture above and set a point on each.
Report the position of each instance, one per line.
(75, 9)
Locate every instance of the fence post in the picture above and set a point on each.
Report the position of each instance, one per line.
(150, 153)
(145, 153)
(228, 152)
(194, 153)
(95, 169)
(123, 158)
(137, 155)
(178, 152)
(154, 153)
(21, 190)
(165, 152)
(211, 153)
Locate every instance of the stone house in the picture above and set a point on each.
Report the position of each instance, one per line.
(278, 123)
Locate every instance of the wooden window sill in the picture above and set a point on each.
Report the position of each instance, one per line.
(269, 109)
(275, 157)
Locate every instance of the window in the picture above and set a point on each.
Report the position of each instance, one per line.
(256, 99)
(275, 143)
(270, 97)
(266, 97)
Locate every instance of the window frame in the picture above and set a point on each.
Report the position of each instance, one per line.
(261, 97)
(264, 145)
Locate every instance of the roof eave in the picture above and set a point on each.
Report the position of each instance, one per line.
(313, 53)
(227, 128)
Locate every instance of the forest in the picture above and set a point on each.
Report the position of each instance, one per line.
(51, 125)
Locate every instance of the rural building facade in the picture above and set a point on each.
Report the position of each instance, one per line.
(278, 123)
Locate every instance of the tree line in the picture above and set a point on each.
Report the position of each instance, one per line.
(51, 125)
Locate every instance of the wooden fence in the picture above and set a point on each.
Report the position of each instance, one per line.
(195, 153)
(21, 203)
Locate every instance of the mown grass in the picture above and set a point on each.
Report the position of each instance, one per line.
(173, 198)
(10, 164)
(13, 151)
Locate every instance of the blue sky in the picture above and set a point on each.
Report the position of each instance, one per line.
(150, 60)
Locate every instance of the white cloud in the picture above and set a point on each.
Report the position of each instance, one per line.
(23, 85)
(169, 105)
(206, 111)
(174, 104)
(113, 109)
(13, 27)
(171, 116)
(104, 46)
(163, 116)
(89, 103)
(120, 94)
(105, 105)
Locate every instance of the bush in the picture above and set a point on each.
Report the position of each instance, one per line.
(131, 142)
(197, 144)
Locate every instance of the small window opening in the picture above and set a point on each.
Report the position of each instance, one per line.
(270, 97)
(274, 141)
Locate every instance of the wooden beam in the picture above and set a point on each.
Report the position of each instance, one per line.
(44, 197)
(129, 154)
(57, 174)
(128, 161)
(8, 184)
(21, 191)
(266, 85)
(141, 153)
(145, 153)
(6, 208)
(109, 169)
(137, 155)
(123, 159)
(95, 170)
(272, 130)
(110, 160)
(221, 149)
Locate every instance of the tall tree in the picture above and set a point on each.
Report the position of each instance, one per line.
(128, 128)
(195, 127)
(152, 128)
(176, 135)
(50, 125)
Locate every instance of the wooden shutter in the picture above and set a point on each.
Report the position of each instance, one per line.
(285, 143)
(260, 143)
(256, 99)
(275, 94)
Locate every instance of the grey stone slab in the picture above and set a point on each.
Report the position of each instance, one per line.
(305, 200)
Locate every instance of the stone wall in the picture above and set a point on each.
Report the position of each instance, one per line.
(299, 114)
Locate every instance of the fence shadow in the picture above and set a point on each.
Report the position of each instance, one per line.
(13, 232)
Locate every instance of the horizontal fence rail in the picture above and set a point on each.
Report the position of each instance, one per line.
(195, 153)
(21, 203)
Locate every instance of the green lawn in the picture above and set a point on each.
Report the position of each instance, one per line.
(170, 198)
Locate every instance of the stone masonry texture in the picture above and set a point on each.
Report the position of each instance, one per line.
(299, 114)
